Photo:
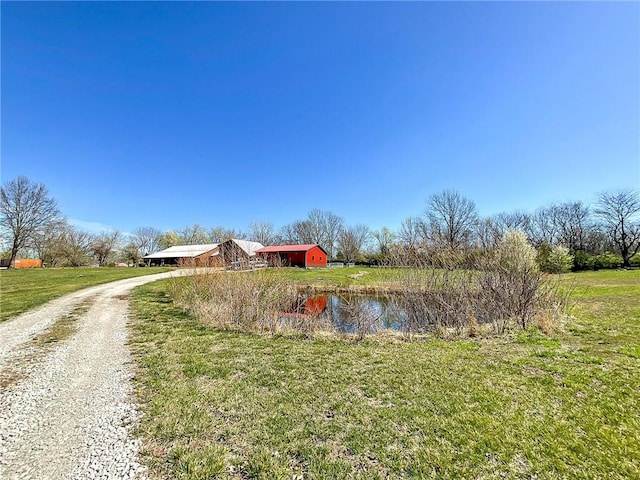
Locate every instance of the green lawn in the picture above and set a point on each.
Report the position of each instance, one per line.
(225, 405)
(340, 277)
(24, 289)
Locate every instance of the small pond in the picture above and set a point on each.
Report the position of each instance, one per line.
(352, 313)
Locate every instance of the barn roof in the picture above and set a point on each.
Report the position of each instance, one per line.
(183, 251)
(250, 248)
(290, 248)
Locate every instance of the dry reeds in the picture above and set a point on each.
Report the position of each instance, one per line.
(243, 301)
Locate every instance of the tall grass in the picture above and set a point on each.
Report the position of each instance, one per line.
(240, 301)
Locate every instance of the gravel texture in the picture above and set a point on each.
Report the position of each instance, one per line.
(70, 414)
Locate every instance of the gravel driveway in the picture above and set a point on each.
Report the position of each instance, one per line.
(66, 412)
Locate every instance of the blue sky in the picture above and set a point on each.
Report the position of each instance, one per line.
(168, 114)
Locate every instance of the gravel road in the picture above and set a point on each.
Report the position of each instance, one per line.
(68, 412)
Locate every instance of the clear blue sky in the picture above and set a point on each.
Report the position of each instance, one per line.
(168, 114)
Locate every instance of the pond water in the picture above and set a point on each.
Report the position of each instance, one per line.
(353, 313)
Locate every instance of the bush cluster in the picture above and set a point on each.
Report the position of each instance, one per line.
(607, 260)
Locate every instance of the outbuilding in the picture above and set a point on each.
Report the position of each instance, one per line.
(306, 256)
(188, 255)
(22, 263)
(239, 254)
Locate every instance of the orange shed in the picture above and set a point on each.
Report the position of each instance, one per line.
(27, 263)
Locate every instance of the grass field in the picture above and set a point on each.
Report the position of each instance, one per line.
(22, 290)
(224, 405)
(340, 277)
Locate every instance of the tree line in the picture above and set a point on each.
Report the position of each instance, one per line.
(566, 235)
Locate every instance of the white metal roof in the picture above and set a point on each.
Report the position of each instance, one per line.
(183, 251)
(249, 247)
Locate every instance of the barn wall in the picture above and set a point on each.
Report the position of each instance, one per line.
(316, 258)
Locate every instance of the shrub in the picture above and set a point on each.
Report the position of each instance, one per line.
(635, 260)
(607, 260)
(560, 260)
(510, 282)
(556, 259)
(582, 261)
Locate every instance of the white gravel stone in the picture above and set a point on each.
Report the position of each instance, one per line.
(71, 415)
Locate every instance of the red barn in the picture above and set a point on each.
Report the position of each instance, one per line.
(306, 256)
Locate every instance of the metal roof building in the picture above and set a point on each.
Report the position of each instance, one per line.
(239, 254)
(205, 254)
(306, 255)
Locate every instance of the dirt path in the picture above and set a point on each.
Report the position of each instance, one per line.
(65, 406)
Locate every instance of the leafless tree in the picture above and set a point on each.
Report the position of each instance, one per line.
(451, 219)
(147, 240)
(491, 230)
(572, 221)
(384, 238)
(288, 234)
(193, 235)
(103, 245)
(220, 234)
(263, 232)
(620, 215)
(544, 228)
(72, 249)
(44, 241)
(352, 241)
(26, 208)
(332, 226)
(320, 226)
(412, 232)
(300, 231)
(315, 227)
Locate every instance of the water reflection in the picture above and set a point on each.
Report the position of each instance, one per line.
(353, 313)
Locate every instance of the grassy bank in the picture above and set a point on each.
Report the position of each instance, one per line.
(225, 405)
(22, 290)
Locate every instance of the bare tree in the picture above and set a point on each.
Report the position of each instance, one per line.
(193, 235)
(572, 224)
(263, 232)
(491, 230)
(301, 231)
(315, 227)
(451, 219)
(220, 234)
(45, 240)
(72, 249)
(332, 226)
(620, 214)
(320, 226)
(288, 234)
(103, 245)
(352, 241)
(26, 209)
(385, 238)
(147, 240)
(412, 233)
